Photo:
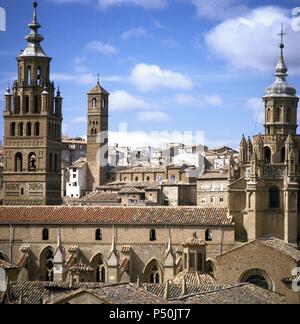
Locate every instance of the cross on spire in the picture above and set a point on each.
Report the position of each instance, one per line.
(98, 78)
(282, 34)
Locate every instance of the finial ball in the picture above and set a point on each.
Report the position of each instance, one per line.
(35, 4)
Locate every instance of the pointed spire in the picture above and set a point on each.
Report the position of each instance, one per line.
(281, 69)
(58, 94)
(98, 78)
(113, 244)
(34, 38)
(280, 86)
(243, 141)
(289, 141)
(59, 244)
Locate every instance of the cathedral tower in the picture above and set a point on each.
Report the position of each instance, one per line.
(97, 136)
(32, 126)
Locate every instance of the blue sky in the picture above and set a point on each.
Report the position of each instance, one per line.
(174, 65)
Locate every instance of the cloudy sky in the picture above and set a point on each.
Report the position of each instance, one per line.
(170, 65)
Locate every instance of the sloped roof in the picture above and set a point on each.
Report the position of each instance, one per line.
(273, 243)
(114, 215)
(238, 294)
(98, 89)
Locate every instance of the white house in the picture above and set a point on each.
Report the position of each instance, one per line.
(77, 174)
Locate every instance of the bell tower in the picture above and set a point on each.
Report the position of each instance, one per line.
(97, 136)
(32, 123)
(281, 101)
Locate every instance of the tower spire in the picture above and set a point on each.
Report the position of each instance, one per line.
(281, 69)
(34, 38)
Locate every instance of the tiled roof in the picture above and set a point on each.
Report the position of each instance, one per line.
(273, 243)
(98, 89)
(193, 242)
(102, 197)
(193, 278)
(175, 290)
(239, 294)
(7, 265)
(35, 292)
(131, 190)
(32, 292)
(214, 175)
(115, 215)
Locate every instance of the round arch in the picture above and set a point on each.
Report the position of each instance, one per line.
(210, 267)
(153, 272)
(257, 277)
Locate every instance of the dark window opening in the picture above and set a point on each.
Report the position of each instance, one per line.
(18, 162)
(282, 155)
(153, 235)
(27, 105)
(268, 155)
(37, 129)
(274, 197)
(45, 234)
(98, 235)
(208, 235)
(13, 129)
(28, 129)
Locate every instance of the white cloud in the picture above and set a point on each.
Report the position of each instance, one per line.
(158, 24)
(251, 41)
(199, 101)
(219, 9)
(139, 32)
(121, 100)
(256, 106)
(79, 120)
(153, 116)
(151, 77)
(79, 64)
(146, 4)
(103, 48)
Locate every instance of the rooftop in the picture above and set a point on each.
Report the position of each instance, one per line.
(115, 215)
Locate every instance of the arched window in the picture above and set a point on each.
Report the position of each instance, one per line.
(13, 129)
(98, 235)
(152, 235)
(20, 129)
(28, 129)
(22, 191)
(100, 276)
(136, 179)
(17, 105)
(26, 104)
(32, 162)
(37, 129)
(18, 162)
(282, 155)
(103, 103)
(45, 234)
(94, 103)
(155, 276)
(274, 197)
(29, 75)
(94, 131)
(36, 104)
(148, 178)
(269, 115)
(39, 76)
(208, 235)
(268, 155)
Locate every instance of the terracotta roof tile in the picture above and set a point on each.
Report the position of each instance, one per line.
(115, 215)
